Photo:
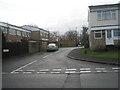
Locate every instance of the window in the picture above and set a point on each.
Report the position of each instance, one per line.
(97, 34)
(113, 15)
(99, 15)
(28, 34)
(4, 29)
(19, 33)
(24, 34)
(106, 15)
(12, 31)
(117, 33)
(42, 34)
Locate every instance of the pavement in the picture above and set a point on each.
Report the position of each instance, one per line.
(75, 54)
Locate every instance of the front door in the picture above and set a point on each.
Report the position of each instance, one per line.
(109, 37)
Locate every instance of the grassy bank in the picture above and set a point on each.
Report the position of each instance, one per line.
(103, 54)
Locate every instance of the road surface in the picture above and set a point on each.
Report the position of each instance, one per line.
(55, 70)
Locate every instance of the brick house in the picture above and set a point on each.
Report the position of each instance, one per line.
(14, 39)
(14, 33)
(104, 26)
(38, 36)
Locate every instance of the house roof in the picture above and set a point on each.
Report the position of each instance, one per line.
(33, 28)
(105, 5)
(12, 26)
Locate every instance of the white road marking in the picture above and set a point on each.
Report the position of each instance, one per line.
(42, 70)
(31, 70)
(115, 68)
(98, 71)
(50, 54)
(24, 66)
(104, 71)
(70, 72)
(57, 69)
(19, 70)
(57, 52)
(84, 69)
(47, 55)
(27, 72)
(71, 69)
(100, 68)
(14, 72)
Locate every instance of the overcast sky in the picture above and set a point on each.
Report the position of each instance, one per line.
(53, 15)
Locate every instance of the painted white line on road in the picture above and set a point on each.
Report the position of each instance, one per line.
(98, 71)
(42, 70)
(57, 69)
(19, 70)
(47, 55)
(50, 54)
(100, 68)
(71, 69)
(31, 70)
(24, 66)
(84, 69)
(67, 72)
(115, 68)
(57, 52)
(104, 71)
(27, 72)
(14, 72)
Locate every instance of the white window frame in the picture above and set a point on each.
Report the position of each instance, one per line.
(95, 32)
(19, 33)
(106, 15)
(118, 30)
(4, 29)
(24, 34)
(12, 31)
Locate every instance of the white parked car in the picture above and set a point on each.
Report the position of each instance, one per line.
(52, 47)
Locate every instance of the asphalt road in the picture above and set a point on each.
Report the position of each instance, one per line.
(55, 70)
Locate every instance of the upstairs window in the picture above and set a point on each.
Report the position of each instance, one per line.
(24, 34)
(4, 29)
(12, 31)
(106, 15)
(29, 34)
(113, 15)
(19, 33)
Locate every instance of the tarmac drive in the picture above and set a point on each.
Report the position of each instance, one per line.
(56, 70)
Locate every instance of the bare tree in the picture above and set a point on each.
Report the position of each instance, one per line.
(72, 35)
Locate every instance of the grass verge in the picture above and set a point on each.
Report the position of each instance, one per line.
(102, 54)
